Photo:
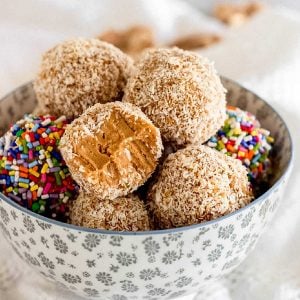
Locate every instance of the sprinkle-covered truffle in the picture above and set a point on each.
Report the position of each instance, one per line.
(243, 138)
(180, 92)
(32, 171)
(111, 149)
(122, 214)
(198, 184)
(79, 73)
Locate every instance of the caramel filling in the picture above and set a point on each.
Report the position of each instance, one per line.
(121, 148)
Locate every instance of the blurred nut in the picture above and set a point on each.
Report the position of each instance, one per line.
(132, 41)
(236, 14)
(195, 41)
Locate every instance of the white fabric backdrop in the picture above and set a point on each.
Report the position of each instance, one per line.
(263, 55)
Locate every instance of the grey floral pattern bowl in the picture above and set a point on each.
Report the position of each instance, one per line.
(150, 265)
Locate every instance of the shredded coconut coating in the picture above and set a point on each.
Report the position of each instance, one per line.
(122, 214)
(111, 149)
(198, 184)
(79, 73)
(180, 92)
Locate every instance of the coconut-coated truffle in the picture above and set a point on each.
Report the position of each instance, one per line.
(122, 214)
(198, 184)
(79, 73)
(180, 92)
(111, 149)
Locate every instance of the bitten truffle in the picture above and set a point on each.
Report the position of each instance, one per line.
(111, 149)
(79, 73)
(122, 214)
(198, 184)
(180, 92)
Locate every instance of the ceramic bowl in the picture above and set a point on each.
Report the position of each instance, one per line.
(162, 264)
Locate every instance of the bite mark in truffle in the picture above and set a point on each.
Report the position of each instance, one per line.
(111, 149)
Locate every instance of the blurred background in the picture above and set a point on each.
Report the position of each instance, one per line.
(256, 47)
(29, 28)
(207, 6)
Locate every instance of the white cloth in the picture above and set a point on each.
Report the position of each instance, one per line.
(263, 55)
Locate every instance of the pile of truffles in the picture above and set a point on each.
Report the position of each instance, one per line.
(100, 134)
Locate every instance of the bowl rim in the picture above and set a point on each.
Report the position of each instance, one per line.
(261, 198)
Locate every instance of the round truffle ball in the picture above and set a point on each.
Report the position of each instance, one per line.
(198, 184)
(79, 73)
(32, 170)
(111, 149)
(124, 213)
(243, 138)
(180, 92)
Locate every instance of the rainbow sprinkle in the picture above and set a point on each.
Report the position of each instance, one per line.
(242, 137)
(32, 171)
